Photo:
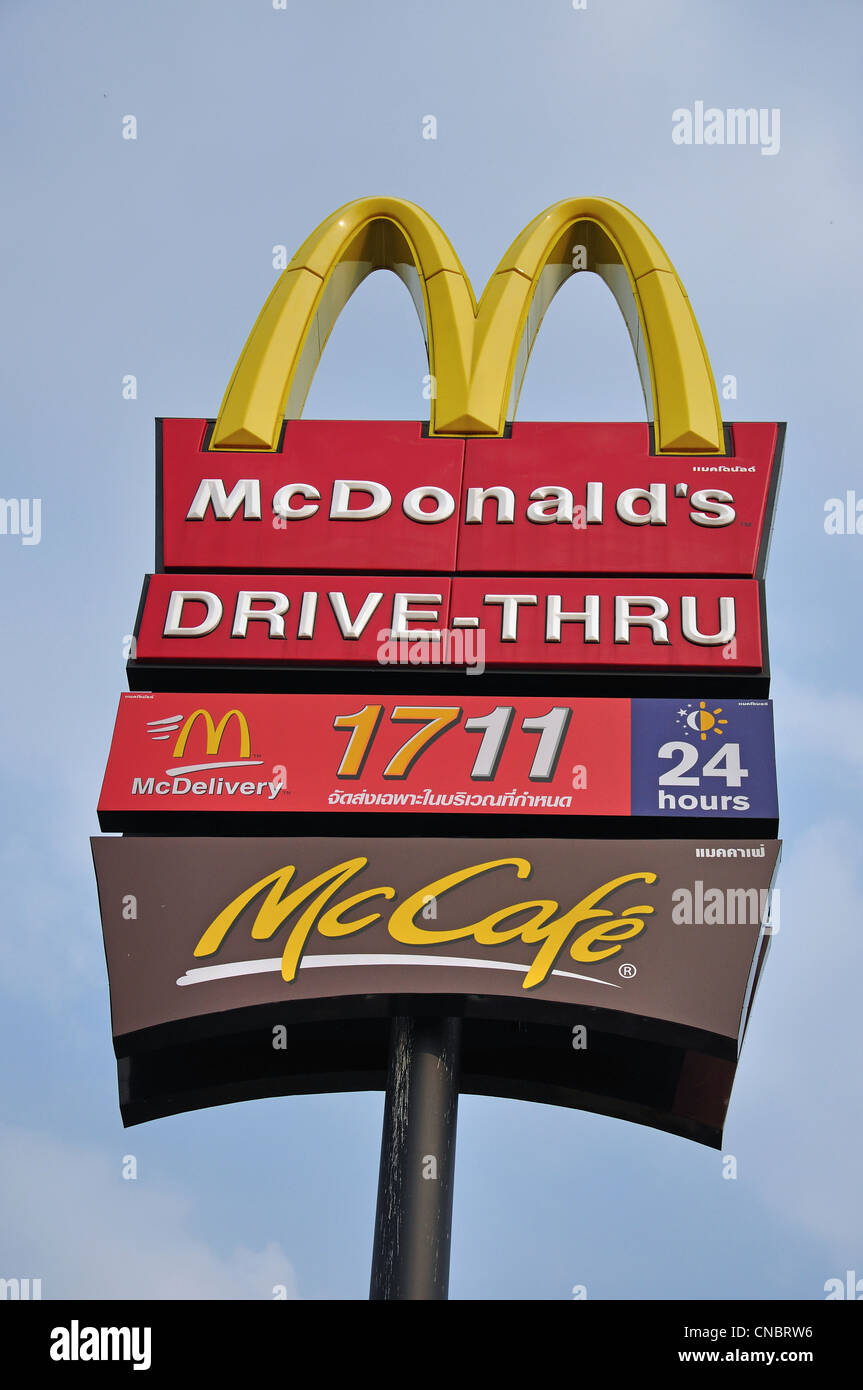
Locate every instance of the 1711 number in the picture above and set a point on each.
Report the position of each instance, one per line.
(435, 720)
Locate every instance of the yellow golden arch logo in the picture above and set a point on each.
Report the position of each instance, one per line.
(477, 353)
(214, 731)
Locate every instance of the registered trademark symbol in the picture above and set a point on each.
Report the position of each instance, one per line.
(627, 971)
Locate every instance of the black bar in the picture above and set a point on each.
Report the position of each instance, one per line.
(570, 682)
(413, 1222)
(532, 824)
(645, 1333)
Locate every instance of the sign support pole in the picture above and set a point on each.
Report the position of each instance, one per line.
(413, 1221)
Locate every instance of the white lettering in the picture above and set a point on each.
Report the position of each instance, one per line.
(476, 498)
(211, 492)
(403, 614)
(558, 498)
(244, 613)
(445, 504)
(283, 498)
(352, 628)
(555, 615)
(656, 499)
(712, 509)
(624, 618)
(174, 617)
(509, 615)
(689, 622)
(341, 510)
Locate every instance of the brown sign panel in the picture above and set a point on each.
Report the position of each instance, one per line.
(608, 974)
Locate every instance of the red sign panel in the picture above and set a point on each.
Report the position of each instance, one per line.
(179, 755)
(339, 495)
(552, 499)
(293, 753)
(711, 624)
(590, 499)
(644, 623)
(284, 618)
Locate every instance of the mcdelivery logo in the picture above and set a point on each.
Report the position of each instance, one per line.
(162, 729)
(180, 783)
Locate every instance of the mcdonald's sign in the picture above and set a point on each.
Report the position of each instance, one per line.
(472, 518)
(474, 493)
(338, 579)
(306, 679)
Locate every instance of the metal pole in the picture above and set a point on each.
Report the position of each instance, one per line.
(414, 1213)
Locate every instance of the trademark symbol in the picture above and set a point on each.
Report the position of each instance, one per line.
(627, 971)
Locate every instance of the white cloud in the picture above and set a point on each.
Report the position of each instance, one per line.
(70, 1219)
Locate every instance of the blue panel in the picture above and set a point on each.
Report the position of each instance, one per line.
(703, 758)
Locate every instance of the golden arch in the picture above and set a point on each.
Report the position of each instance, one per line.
(477, 353)
(214, 731)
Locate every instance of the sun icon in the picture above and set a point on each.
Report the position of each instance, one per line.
(702, 720)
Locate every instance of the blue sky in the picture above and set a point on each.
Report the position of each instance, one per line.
(152, 257)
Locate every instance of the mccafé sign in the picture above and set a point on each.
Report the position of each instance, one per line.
(216, 944)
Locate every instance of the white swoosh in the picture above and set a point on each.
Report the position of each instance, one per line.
(203, 974)
(203, 767)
